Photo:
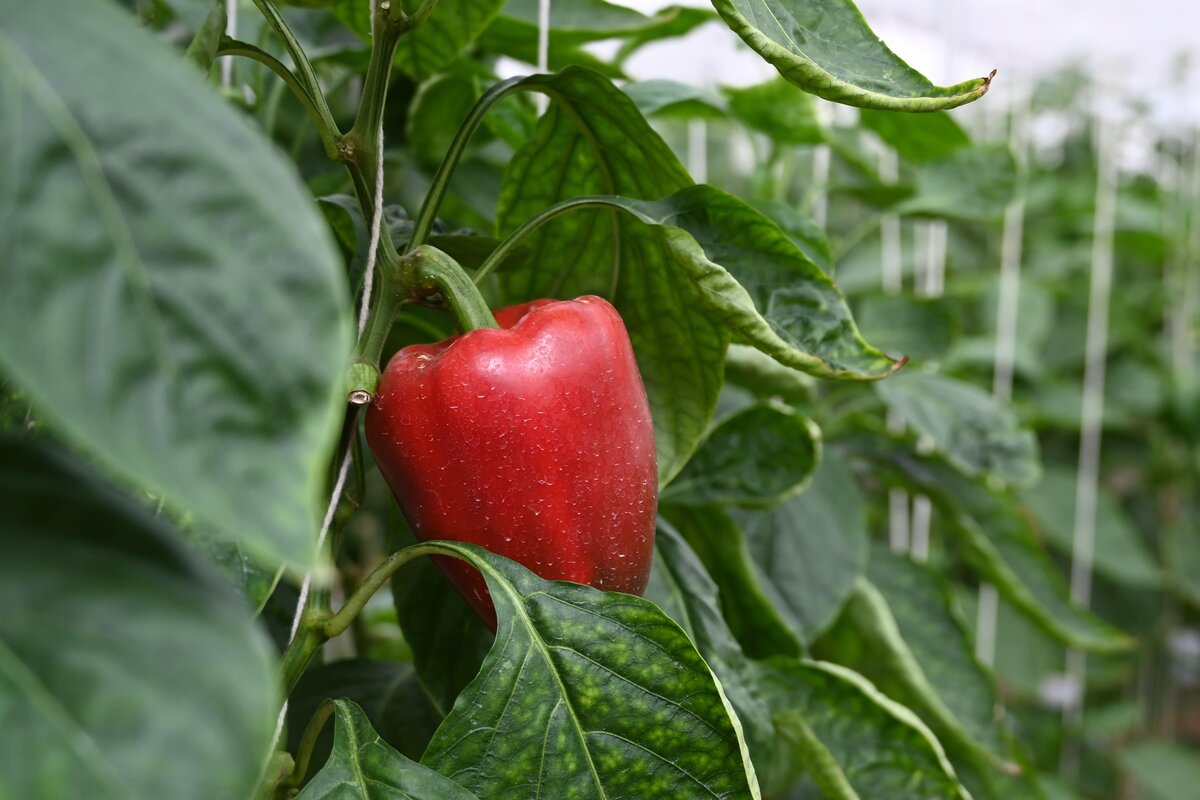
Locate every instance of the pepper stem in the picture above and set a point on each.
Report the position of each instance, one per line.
(429, 270)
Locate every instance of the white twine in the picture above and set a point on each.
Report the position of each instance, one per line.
(340, 484)
(231, 20)
(543, 51)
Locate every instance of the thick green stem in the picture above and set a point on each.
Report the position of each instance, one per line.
(297, 655)
(514, 239)
(441, 179)
(327, 129)
(428, 269)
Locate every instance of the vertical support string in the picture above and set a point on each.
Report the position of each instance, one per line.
(543, 51)
(231, 30)
(1091, 413)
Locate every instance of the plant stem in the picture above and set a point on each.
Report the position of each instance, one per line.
(318, 628)
(510, 243)
(428, 269)
(307, 77)
(327, 129)
(308, 740)
(441, 179)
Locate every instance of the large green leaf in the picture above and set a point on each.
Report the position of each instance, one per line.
(364, 767)
(117, 651)
(773, 699)
(809, 552)
(975, 431)
(172, 301)
(586, 694)
(1118, 552)
(998, 541)
(854, 742)
(826, 48)
(759, 456)
(917, 638)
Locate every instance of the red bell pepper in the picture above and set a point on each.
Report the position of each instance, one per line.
(533, 440)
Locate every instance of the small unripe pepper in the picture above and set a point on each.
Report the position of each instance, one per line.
(533, 440)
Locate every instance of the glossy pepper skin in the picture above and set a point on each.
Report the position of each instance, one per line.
(533, 440)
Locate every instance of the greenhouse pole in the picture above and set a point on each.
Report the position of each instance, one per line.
(1007, 308)
(1092, 412)
(697, 149)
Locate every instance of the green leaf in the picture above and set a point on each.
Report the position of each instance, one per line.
(448, 640)
(440, 105)
(680, 586)
(245, 573)
(973, 184)
(855, 742)
(387, 691)
(593, 140)
(159, 255)
(116, 647)
(766, 377)
(975, 431)
(776, 109)
(660, 97)
(364, 766)
(998, 542)
(1119, 552)
(826, 48)
(917, 138)
(671, 22)
(572, 22)
(906, 614)
(436, 43)
(203, 50)
(1166, 771)
(809, 552)
(586, 694)
(759, 456)
(922, 328)
(802, 230)
(753, 616)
